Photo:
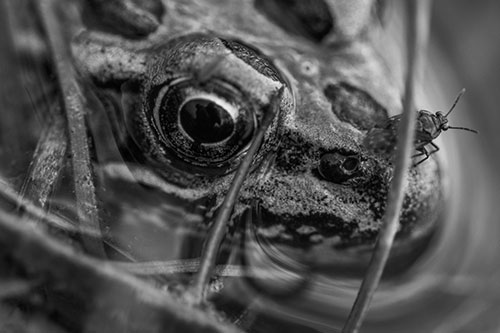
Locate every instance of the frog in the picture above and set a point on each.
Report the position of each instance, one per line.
(189, 90)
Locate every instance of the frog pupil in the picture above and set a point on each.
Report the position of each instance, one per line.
(205, 121)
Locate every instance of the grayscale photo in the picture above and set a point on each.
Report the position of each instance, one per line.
(251, 166)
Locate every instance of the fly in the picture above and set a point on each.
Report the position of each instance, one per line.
(382, 139)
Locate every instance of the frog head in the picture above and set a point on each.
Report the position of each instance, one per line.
(192, 94)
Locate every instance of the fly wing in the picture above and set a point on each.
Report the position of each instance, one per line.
(388, 123)
(381, 141)
(382, 138)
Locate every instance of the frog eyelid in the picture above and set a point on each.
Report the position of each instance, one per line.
(157, 106)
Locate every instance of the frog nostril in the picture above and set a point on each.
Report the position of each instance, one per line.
(338, 168)
(351, 164)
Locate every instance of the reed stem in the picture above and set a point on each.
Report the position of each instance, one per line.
(218, 230)
(418, 15)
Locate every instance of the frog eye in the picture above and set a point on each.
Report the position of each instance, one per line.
(205, 125)
(339, 168)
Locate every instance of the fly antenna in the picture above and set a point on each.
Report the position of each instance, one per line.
(456, 101)
(463, 128)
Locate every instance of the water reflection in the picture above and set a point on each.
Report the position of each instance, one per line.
(451, 285)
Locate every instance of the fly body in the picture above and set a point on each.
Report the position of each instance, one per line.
(382, 139)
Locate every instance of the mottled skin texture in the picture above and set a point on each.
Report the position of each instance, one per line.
(336, 91)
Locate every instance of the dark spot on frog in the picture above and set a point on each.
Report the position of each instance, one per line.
(355, 106)
(130, 18)
(307, 18)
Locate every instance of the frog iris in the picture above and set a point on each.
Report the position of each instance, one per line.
(204, 124)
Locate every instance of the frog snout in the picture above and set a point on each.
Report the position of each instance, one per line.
(338, 168)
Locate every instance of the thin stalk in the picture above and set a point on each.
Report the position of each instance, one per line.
(47, 162)
(218, 230)
(418, 14)
(29, 210)
(174, 267)
(182, 266)
(73, 103)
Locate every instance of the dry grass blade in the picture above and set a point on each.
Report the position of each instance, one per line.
(218, 229)
(27, 208)
(418, 13)
(74, 106)
(183, 266)
(174, 267)
(9, 197)
(47, 162)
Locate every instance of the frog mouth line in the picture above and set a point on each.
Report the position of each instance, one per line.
(327, 248)
(300, 230)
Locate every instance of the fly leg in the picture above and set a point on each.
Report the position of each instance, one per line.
(436, 148)
(423, 151)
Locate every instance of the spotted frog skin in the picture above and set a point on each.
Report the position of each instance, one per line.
(313, 184)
